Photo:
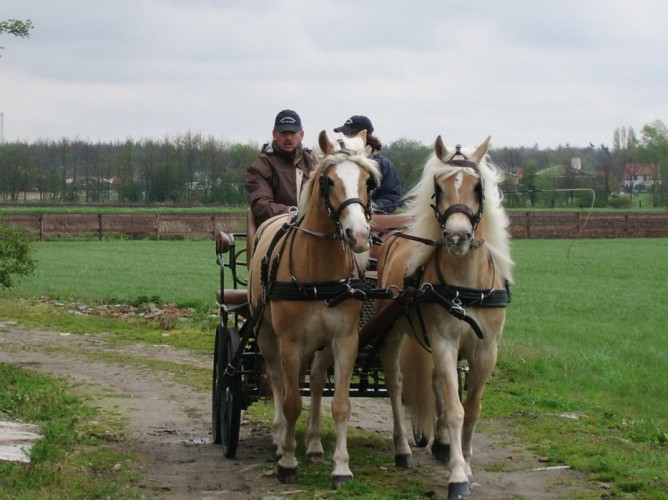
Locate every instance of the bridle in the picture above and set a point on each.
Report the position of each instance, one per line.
(324, 191)
(475, 218)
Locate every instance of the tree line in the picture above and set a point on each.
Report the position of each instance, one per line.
(191, 169)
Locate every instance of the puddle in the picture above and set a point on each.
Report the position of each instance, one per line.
(16, 440)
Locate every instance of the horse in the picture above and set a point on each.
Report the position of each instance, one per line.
(454, 266)
(304, 279)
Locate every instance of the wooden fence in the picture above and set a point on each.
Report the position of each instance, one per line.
(534, 224)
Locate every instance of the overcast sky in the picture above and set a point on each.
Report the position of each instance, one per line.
(525, 72)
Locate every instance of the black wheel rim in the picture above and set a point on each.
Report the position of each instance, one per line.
(230, 397)
(218, 369)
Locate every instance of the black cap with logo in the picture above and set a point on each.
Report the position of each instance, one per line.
(355, 124)
(288, 120)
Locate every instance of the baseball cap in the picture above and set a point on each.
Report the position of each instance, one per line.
(355, 123)
(288, 120)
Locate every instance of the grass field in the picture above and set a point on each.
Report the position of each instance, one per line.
(584, 353)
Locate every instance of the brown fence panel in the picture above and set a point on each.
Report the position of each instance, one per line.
(544, 225)
(128, 224)
(534, 225)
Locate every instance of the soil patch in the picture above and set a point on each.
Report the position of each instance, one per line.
(169, 426)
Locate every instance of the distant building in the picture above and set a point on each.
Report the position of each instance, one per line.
(639, 178)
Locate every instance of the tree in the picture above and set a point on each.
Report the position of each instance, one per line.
(15, 255)
(654, 151)
(16, 27)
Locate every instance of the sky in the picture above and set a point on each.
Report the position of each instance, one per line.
(526, 72)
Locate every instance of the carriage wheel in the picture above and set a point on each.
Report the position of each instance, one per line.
(217, 382)
(229, 395)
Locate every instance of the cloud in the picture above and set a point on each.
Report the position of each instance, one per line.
(522, 71)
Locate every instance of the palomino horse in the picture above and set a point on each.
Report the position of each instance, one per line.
(302, 272)
(453, 262)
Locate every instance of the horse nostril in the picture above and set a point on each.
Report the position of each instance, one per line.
(458, 238)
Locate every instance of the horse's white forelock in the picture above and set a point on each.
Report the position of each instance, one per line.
(425, 224)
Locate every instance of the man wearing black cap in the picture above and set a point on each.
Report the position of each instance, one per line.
(386, 197)
(275, 178)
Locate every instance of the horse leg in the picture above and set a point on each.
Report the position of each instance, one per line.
(481, 369)
(390, 356)
(440, 448)
(317, 380)
(269, 350)
(452, 413)
(292, 406)
(345, 354)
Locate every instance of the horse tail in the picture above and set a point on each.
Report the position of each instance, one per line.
(417, 391)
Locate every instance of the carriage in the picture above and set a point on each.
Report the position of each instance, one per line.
(375, 320)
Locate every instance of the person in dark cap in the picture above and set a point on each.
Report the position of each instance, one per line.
(386, 198)
(275, 178)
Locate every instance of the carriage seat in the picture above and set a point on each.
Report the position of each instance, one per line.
(383, 224)
(228, 296)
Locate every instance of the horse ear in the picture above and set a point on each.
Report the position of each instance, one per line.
(481, 150)
(326, 146)
(440, 149)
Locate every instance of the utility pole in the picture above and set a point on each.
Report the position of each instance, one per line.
(2, 127)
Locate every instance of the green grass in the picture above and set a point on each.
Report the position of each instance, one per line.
(121, 271)
(584, 338)
(73, 459)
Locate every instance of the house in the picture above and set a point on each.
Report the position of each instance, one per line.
(640, 178)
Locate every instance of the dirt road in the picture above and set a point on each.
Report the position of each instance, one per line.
(169, 426)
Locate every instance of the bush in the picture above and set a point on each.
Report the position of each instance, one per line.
(15, 254)
(624, 202)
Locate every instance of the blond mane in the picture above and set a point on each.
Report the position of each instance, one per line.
(495, 219)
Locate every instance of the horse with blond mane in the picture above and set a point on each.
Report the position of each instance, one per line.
(453, 264)
(304, 279)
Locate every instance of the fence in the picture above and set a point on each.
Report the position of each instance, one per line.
(523, 225)
(48, 226)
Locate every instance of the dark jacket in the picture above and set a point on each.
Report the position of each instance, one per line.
(271, 180)
(386, 197)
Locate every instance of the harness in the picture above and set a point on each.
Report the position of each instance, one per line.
(454, 299)
(332, 292)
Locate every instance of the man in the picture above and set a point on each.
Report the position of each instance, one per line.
(386, 197)
(275, 178)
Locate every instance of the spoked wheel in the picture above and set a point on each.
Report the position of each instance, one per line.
(226, 401)
(217, 382)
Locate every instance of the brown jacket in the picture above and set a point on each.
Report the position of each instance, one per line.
(271, 181)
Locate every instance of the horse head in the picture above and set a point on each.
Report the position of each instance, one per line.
(346, 177)
(459, 196)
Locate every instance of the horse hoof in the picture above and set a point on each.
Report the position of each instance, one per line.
(338, 481)
(286, 475)
(421, 441)
(404, 461)
(458, 490)
(441, 452)
(316, 457)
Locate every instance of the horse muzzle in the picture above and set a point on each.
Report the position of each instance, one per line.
(458, 242)
(358, 238)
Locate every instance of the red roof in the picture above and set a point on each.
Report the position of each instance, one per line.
(636, 169)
